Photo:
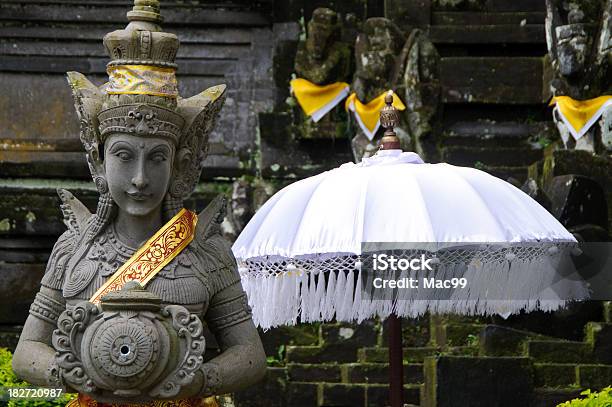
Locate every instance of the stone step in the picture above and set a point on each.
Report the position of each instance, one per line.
(462, 350)
(594, 376)
(554, 374)
(84, 49)
(356, 395)
(381, 355)
(298, 372)
(476, 381)
(378, 395)
(599, 335)
(320, 354)
(495, 80)
(487, 131)
(498, 340)
(339, 343)
(96, 65)
(112, 13)
(456, 334)
(476, 18)
(488, 34)
(547, 397)
(379, 373)
(356, 335)
(24, 256)
(491, 6)
(74, 31)
(479, 157)
(556, 351)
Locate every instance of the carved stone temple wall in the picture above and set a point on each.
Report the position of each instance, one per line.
(492, 114)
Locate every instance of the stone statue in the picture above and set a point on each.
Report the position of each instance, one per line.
(145, 146)
(377, 49)
(580, 53)
(385, 59)
(420, 86)
(322, 58)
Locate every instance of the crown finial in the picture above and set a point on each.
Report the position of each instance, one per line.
(145, 10)
(389, 118)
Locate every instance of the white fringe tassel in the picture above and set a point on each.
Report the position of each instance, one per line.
(301, 296)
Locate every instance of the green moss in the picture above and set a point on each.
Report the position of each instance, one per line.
(278, 359)
(9, 379)
(463, 334)
(5, 225)
(591, 329)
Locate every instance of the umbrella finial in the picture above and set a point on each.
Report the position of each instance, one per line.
(389, 118)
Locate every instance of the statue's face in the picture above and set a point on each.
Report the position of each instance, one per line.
(375, 55)
(321, 29)
(318, 38)
(138, 171)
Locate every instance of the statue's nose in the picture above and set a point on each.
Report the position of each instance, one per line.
(140, 180)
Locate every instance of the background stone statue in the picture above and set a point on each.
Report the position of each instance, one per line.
(419, 81)
(386, 59)
(580, 52)
(322, 58)
(145, 146)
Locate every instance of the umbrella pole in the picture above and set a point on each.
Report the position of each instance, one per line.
(396, 362)
(390, 118)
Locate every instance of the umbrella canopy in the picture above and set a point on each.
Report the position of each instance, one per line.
(318, 225)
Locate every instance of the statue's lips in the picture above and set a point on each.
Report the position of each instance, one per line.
(138, 196)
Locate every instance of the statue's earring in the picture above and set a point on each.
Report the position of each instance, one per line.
(178, 187)
(104, 210)
(101, 185)
(96, 167)
(178, 190)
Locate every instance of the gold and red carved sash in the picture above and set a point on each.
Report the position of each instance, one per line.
(85, 401)
(154, 255)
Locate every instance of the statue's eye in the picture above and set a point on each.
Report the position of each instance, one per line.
(124, 155)
(158, 157)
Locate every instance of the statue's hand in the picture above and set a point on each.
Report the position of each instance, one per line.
(193, 389)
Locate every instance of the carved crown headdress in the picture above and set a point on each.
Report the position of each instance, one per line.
(141, 98)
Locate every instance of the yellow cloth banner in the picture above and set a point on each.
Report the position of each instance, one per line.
(317, 100)
(368, 115)
(580, 115)
(142, 80)
(151, 258)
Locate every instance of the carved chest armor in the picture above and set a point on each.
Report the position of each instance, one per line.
(178, 283)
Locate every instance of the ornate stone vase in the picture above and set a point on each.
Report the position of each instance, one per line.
(130, 347)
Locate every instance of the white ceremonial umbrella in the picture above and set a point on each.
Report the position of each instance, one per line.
(318, 225)
(300, 256)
